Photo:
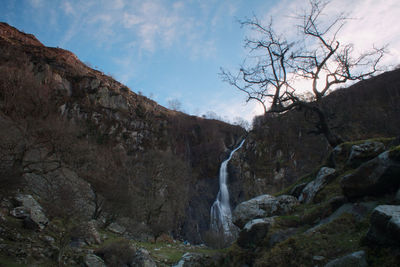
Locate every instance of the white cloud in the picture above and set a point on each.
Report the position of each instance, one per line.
(118, 4)
(68, 8)
(130, 20)
(147, 25)
(36, 3)
(232, 107)
(373, 22)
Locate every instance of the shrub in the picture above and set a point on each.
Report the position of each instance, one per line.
(117, 253)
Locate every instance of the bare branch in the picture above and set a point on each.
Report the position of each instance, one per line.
(274, 64)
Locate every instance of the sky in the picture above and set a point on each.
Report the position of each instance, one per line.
(174, 49)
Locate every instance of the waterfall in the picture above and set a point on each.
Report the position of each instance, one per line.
(221, 215)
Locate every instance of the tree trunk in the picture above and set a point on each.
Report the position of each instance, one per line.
(332, 138)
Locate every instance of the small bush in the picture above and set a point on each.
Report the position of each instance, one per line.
(216, 239)
(117, 253)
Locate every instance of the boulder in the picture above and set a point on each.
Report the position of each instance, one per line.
(364, 152)
(359, 210)
(142, 259)
(62, 181)
(31, 211)
(324, 176)
(254, 232)
(261, 207)
(190, 259)
(92, 236)
(116, 228)
(385, 225)
(91, 260)
(354, 259)
(378, 176)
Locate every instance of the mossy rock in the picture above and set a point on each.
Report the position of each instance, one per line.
(340, 155)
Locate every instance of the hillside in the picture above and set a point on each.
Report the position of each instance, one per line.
(341, 215)
(86, 147)
(279, 150)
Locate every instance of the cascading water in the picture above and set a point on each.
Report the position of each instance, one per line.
(221, 215)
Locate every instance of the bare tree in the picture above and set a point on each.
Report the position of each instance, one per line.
(241, 122)
(277, 64)
(160, 179)
(175, 104)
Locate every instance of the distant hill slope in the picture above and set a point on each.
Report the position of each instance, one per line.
(279, 150)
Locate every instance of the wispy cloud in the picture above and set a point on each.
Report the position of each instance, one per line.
(372, 22)
(67, 8)
(36, 3)
(148, 25)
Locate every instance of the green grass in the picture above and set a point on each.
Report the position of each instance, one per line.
(335, 239)
(9, 262)
(173, 252)
(384, 140)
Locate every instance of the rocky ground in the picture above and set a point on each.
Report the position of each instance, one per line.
(345, 213)
(29, 238)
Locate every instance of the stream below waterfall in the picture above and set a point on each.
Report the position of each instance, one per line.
(221, 214)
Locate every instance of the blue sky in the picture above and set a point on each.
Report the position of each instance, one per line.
(174, 49)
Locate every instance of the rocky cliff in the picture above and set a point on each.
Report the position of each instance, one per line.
(74, 137)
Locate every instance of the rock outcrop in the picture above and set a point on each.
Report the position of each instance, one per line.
(364, 152)
(31, 211)
(142, 258)
(375, 177)
(254, 232)
(261, 207)
(91, 260)
(324, 176)
(385, 226)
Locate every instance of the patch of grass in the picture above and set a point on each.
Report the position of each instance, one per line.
(311, 214)
(331, 190)
(384, 140)
(171, 253)
(287, 221)
(333, 240)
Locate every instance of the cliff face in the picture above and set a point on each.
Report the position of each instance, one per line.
(72, 125)
(281, 149)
